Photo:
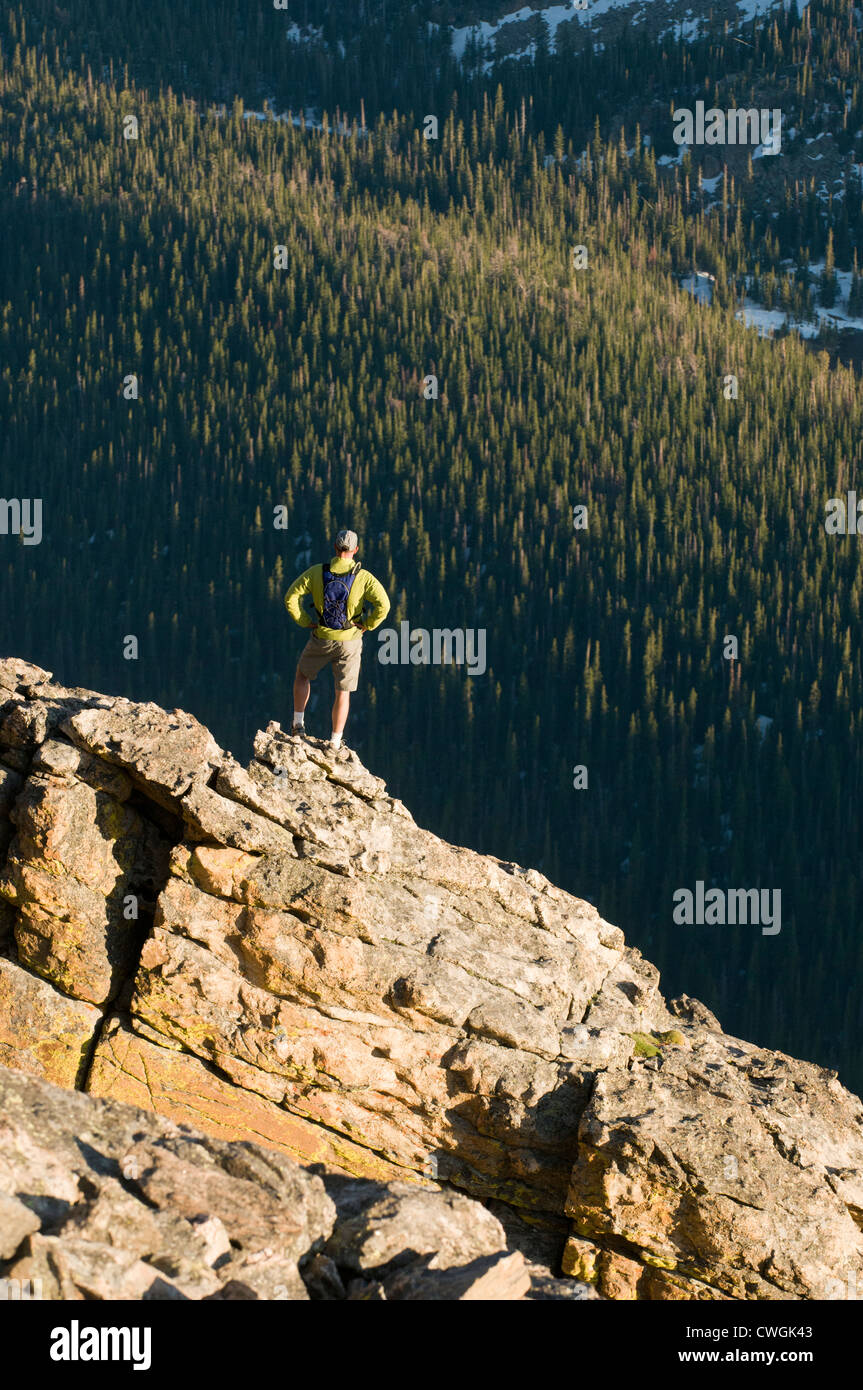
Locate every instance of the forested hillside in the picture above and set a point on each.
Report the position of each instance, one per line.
(262, 387)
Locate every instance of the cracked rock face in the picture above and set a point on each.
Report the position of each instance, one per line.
(737, 1170)
(103, 1201)
(312, 971)
(79, 864)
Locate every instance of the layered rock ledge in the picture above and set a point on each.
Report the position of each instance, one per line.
(278, 955)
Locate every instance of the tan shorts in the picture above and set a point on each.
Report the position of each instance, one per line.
(344, 657)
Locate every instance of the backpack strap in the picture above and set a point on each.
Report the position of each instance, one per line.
(325, 569)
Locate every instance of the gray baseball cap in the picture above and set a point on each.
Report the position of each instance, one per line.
(347, 540)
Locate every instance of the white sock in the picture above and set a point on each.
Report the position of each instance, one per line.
(299, 718)
(336, 740)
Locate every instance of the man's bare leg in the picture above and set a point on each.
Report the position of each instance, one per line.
(341, 703)
(302, 686)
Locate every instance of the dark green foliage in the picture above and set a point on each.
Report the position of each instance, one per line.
(303, 387)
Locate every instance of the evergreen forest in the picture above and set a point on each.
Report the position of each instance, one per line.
(283, 290)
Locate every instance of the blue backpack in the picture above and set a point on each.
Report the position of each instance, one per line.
(336, 590)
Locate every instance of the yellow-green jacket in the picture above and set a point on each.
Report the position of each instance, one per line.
(364, 590)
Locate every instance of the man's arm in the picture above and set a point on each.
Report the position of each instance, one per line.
(376, 595)
(294, 597)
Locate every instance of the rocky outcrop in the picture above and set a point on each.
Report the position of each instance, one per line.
(42, 1031)
(80, 870)
(278, 953)
(99, 1200)
(726, 1170)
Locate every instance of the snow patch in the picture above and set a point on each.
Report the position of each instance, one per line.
(484, 32)
(700, 286)
(749, 9)
(666, 159)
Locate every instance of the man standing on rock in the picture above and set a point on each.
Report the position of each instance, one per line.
(339, 591)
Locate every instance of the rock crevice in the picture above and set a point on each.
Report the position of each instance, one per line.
(279, 955)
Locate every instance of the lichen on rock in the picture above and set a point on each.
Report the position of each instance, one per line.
(311, 971)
